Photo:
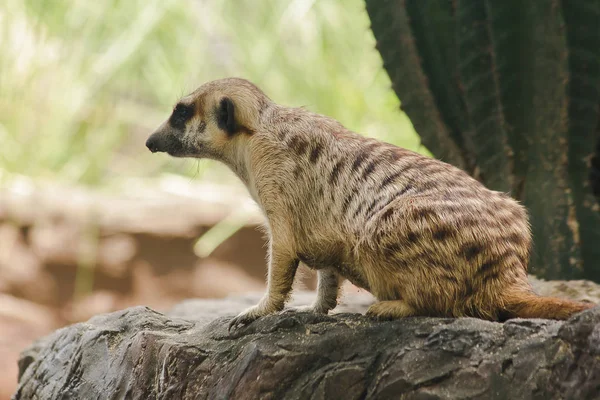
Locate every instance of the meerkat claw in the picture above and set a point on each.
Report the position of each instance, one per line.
(237, 322)
(245, 318)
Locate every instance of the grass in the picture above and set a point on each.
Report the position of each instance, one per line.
(83, 83)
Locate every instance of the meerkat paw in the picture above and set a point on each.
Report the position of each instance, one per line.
(248, 316)
(315, 308)
(389, 310)
(296, 309)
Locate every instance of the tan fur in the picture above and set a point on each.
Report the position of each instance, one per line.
(533, 306)
(421, 235)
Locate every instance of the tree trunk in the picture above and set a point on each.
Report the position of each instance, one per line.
(509, 91)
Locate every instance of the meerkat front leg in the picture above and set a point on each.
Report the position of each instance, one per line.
(328, 288)
(327, 293)
(282, 269)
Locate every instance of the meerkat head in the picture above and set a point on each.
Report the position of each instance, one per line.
(212, 121)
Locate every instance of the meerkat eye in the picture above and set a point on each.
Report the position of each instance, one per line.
(182, 113)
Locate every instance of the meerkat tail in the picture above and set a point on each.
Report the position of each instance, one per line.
(529, 305)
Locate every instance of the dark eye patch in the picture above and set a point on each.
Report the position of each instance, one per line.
(181, 114)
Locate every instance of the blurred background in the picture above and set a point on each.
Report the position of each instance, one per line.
(90, 221)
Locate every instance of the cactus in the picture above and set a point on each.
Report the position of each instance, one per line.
(509, 90)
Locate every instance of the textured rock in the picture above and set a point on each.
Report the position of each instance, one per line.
(188, 354)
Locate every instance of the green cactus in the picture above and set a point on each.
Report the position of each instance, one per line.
(509, 90)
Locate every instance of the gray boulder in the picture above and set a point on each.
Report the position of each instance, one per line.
(188, 353)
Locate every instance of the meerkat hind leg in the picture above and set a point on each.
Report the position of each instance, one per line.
(327, 291)
(390, 309)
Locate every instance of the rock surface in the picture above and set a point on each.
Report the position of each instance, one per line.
(138, 353)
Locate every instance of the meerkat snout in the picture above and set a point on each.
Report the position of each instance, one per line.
(153, 143)
(173, 136)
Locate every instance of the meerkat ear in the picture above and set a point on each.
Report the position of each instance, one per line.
(226, 116)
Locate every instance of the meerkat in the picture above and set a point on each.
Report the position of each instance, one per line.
(424, 237)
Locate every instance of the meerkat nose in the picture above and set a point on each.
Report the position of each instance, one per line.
(151, 144)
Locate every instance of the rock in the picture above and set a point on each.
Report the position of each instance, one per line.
(188, 353)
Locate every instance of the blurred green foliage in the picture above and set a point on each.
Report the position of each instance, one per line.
(82, 83)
